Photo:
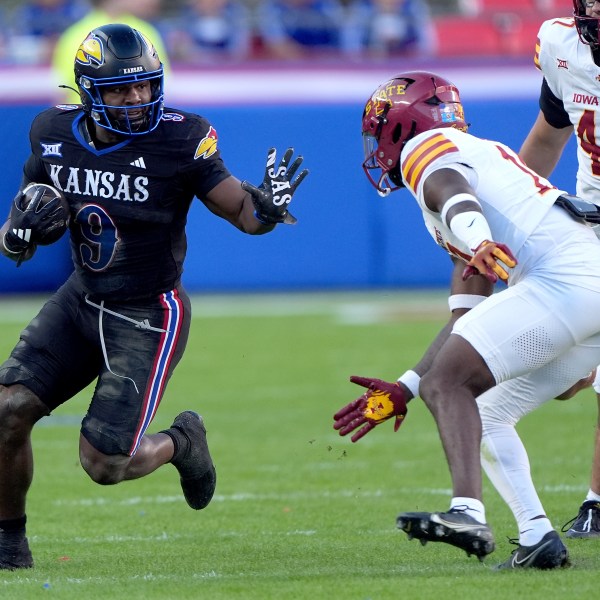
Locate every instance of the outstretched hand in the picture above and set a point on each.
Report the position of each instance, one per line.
(272, 197)
(380, 402)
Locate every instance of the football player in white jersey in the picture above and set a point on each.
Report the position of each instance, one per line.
(504, 354)
(568, 55)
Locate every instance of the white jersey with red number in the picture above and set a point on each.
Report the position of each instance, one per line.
(574, 78)
(514, 199)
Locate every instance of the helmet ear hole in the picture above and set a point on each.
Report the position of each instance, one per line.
(397, 133)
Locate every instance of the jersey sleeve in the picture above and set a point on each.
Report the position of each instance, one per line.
(34, 170)
(202, 165)
(553, 108)
(429, 152)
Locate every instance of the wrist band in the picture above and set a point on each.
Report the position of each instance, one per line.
(411, 380)
(464, 301)
(453, 201)
(470, 227)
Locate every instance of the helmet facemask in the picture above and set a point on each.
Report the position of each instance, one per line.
(116, 118)
(378, 176)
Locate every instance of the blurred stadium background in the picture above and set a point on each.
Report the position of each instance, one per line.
(299, 511)
(347, 236)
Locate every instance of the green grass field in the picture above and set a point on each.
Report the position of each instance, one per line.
(299, 512)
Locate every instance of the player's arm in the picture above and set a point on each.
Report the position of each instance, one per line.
(230, 202)
(544, 145)
(16, 251)
(257, 209)
(464, 295)
(448, 193)
(384, 400)
(548, 136)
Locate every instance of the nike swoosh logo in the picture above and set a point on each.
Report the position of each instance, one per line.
(460, 528)
(471, 223)
(528, 557)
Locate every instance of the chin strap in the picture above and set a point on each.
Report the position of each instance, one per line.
(68, 87)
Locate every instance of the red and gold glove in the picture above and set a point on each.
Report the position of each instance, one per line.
(485, 261)
(381, 402)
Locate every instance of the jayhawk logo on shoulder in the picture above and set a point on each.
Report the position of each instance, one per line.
(208, 144)
(91, 52)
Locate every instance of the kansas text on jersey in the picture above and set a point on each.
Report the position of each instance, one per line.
(129, 201)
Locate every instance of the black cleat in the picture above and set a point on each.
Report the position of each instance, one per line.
(14, 553)
(192, 459)
(548, 553)
(586, 524)
(454, 527)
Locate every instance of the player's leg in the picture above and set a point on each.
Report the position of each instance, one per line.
(587, 522)
(506, 463)
(503, 456)
(449, 389)
(139, 361)
(42, 371)
(595, 478)
(106, 469)
(19, 411)
(184, 445)
(511, 333)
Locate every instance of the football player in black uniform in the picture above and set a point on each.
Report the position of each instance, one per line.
(129, 169)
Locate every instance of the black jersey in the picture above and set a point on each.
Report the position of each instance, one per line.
(129, 201)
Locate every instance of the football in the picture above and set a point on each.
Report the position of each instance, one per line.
(52, 208)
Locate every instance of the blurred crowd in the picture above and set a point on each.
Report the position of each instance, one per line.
(213, 31)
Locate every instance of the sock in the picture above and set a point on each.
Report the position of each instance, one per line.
(506, 464)
(13, 525)
(534, 531)
(592, 496)
(473, 507)
(180, 442)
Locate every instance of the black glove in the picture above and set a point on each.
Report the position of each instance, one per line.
(17, 249)
(37, 215)
(272, 197)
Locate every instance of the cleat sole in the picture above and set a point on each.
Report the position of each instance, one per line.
(473, 538)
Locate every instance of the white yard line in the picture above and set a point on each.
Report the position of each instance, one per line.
(348, 308)
(253, 497)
